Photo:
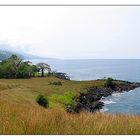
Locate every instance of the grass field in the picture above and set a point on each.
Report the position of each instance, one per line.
(20, 114)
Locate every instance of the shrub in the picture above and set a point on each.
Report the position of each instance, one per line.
(109, 83)
(55, 83)
(41, 100)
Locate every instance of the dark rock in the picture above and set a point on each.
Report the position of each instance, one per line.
(62, 75)
(89, 98)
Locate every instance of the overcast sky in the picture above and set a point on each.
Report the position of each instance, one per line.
(72, 32)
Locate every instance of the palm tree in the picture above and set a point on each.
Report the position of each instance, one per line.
(43, 67)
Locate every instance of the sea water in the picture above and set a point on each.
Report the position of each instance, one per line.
(127, 102)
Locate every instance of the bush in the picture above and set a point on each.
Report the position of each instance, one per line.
(41, 100)
(55, 83)
(109, 83)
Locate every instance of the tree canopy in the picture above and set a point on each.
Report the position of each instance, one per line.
(15, 67)
(42, 67)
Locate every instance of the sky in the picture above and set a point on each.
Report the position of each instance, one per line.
(72, 32)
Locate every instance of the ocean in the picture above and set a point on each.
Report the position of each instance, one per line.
(123, 69)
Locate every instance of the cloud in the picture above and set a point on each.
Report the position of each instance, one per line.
(72, 32)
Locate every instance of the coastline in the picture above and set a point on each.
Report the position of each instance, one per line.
(91, 100)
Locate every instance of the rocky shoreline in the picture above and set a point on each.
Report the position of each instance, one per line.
(90, 98)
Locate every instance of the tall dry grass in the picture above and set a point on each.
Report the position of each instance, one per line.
(20, 114)
(37, 120)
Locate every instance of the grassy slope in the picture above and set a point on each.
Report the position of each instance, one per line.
(19, 113)
(24, 91)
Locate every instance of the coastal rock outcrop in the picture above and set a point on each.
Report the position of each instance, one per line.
(89, 98)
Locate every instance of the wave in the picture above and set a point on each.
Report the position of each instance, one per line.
(117, 94)
(104, 109)
(109, 102)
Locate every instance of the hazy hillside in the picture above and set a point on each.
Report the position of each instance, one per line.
(7, 50)
(7, 54)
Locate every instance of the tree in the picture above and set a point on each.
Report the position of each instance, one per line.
(14, 67)
(42, 67)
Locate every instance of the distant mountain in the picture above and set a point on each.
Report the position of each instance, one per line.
(6, 51)
(30, 56)
(6, 54)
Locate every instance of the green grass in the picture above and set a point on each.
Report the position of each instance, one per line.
(20, 114)
(59, 101)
